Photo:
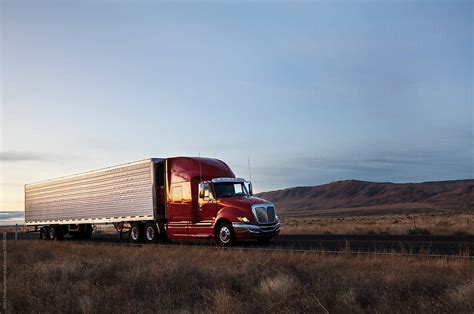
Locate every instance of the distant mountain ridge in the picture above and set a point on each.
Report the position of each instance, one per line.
(353, 197)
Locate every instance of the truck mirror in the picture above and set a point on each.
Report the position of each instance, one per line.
(250, 189)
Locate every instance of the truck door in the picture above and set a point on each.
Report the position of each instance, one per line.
(179, 210)
(205, 213)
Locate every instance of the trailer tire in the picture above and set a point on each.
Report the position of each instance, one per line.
(225, 235)
(135, 235)
(151, 233)
(43, 233)
(52, 233)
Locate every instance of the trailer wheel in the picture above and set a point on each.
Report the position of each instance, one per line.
(225, 235)
(151, 233)
(43, 233)
(52, 233)
(136, 233)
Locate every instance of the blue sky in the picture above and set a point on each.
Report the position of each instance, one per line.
(312, 91)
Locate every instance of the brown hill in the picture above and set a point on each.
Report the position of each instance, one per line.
(352, 197)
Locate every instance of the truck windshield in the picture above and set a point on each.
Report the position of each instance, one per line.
(230, 189)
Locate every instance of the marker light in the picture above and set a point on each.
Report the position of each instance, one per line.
(243, 219)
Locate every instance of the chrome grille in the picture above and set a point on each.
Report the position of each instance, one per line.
(261, 213)
(265, 214)
(271, 213)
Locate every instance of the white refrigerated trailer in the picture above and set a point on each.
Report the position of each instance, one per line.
(72, 204)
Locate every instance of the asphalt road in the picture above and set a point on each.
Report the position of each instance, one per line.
(407, 244)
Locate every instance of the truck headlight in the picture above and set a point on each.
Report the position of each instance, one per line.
(243, 219)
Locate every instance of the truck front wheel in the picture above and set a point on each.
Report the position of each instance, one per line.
(225, 235)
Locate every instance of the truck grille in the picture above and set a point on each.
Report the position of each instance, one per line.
(265, 214)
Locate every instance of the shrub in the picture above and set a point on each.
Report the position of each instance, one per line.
(461, 233)
(418, 231)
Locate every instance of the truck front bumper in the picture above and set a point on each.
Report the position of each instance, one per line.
(243, 230)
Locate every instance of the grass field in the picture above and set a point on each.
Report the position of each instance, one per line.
(62, 277)
(435, 223)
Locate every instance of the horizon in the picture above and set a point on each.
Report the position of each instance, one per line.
(311, 93)
(12, 215)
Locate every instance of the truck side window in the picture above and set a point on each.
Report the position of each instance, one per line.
(205, 191)
(177, 194)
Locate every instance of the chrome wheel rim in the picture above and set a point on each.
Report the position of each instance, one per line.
(51, 233)
(134, 233)
(224, 235)
(150, 233)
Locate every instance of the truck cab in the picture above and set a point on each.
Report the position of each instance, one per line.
(205, 200)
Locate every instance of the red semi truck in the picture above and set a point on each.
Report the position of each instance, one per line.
(179, 198)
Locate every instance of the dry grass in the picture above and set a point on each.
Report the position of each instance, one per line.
(64, 277)
(435, 223)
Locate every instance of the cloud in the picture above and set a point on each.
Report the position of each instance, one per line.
(9, 215)
(9, 218)
(23, 156)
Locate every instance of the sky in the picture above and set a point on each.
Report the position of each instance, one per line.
(310, 91)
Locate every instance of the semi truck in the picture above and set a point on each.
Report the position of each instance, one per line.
(156, 199)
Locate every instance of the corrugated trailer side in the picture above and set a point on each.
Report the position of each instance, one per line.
(115, 194)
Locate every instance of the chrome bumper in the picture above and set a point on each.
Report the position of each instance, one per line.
(242, 228)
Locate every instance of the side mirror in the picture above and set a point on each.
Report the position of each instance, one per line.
(250, 189)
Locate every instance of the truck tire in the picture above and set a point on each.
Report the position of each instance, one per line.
(135, 234)
(43, 233)
(151, 234)
(225, 235)
(52, 233)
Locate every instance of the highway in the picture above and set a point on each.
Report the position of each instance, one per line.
(359, 244)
